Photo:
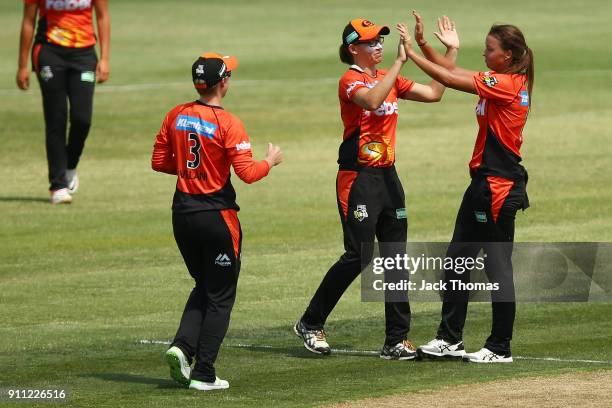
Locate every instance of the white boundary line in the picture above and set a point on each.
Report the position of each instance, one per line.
(373, 352)
(108, 88)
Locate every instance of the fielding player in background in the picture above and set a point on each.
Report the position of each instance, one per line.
(498, 187)
(370, 196)
(67, 67)
(198, 141)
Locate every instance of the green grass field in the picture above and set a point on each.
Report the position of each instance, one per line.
(81, 285)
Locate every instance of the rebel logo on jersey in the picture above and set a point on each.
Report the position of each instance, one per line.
(67, 5)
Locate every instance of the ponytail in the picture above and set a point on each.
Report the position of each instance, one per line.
(530, 72)
(512, 39)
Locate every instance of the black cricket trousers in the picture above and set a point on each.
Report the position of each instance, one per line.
(371, 204)
(480, 221)
(65, 74)
(210, 243)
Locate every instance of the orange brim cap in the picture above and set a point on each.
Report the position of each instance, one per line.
(365, 30)
(230, 62)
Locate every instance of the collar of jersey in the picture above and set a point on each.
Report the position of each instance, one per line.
(359, 69)
(210, 106)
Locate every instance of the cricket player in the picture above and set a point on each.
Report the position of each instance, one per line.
(198, 142)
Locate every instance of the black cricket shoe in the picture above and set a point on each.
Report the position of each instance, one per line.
(403, 350)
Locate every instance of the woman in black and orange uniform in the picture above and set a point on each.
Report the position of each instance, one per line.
(370, 196)
(497, 189)
(198, 142)
(67, 67)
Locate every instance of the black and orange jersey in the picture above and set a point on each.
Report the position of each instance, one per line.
(502, 113)
(198, 143)
(369, 136)
(65, 22)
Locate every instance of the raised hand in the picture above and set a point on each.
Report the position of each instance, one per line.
(405, 40)
(419, 29)
(447, 33)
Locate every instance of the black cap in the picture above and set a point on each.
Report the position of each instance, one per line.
(210, 68)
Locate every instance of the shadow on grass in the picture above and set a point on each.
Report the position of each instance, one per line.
(24, 200)
(135, 379)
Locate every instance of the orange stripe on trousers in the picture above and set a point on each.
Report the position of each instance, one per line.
(500, 188)
(231, 220)
(344, 183)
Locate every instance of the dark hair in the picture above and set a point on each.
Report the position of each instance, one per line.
(345, 55)
(512, 39)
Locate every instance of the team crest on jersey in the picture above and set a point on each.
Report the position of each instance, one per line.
(197, 125)
(489, 80)
(67, 5)
(45, 73)
(361, 213)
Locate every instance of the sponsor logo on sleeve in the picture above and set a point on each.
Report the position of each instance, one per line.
(197, 125)
(243, 146)
(524, 98)
(489, 80)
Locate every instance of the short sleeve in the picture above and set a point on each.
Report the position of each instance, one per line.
(349, 85)
(491, 85)
(403, 86)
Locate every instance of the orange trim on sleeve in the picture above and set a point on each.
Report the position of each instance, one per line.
(231, 220)
(344, 182)
(500, 188)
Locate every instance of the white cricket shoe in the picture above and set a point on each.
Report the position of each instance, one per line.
(180, 371)
(61, 196)
(73, 180)
(486, 356)
(314, 340)
(438, 348)
(219, 384)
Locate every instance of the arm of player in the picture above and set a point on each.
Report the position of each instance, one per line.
(456, 78)
(371, 99)
(249, 170)
(103, 22)
(240, 155)
(162, 159)
(429, 93)
(25, 42)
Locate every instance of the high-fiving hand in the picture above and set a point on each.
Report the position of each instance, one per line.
(405, 39)
(419, 29)
(447, 33)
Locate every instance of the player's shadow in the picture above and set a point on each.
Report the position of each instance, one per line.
(134, 379)
(17, 199)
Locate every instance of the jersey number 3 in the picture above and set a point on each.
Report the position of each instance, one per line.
(194, 149)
